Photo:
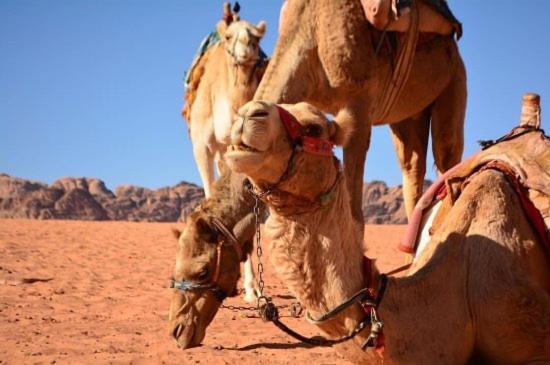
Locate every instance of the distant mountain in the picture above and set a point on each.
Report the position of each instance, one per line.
(89, 199)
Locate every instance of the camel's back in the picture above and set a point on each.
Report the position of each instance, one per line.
(526, 152)
(202, 71)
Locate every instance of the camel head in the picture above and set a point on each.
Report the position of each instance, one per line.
(201, 259)
(288, 146)
(241, 41)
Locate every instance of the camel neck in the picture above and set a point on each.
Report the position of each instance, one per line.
(239, 76)
(318, 256)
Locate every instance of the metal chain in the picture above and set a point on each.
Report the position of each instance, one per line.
(259, 251)
(265, 304)
(237, 308)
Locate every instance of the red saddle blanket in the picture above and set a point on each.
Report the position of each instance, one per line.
(523, 156)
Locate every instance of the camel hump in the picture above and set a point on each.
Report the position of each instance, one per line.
(525, 151)
(194, 73)
(207, 43)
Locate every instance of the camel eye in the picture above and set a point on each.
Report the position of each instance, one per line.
(227, 37)
(313, 130)
(203, 275)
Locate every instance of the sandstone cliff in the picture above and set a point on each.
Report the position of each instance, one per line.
(89, 199)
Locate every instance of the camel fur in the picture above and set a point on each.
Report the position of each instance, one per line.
(477, 294)
(326, 54)
(222, 80)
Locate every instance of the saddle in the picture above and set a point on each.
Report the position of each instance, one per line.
(435, 16)
(523, 156)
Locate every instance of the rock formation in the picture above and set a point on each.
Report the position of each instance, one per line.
(89, 199)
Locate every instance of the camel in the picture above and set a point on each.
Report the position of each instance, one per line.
(479, 292)
(233, 207)
(329, 55)
(221, 80)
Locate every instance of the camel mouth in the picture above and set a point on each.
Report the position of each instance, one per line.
(242, 147)
(187, 337)
(246, 60)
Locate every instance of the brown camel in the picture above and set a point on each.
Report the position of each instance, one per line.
(232, 206)
(326, 55)
(224, 78)
(478, 294)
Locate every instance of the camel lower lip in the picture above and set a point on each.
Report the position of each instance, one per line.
(242, 148)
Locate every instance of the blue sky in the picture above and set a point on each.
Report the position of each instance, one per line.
(93, 87)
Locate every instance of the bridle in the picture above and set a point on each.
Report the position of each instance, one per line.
(231, 50)
(368, 298)
(226, 238)
(269, 194)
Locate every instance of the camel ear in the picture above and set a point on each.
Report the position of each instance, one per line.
(221, 27)
(339, 134)
(259, 29)
(176, 232)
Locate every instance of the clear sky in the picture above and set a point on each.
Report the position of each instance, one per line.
(94, 87)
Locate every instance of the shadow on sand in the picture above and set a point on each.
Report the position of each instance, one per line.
(271, 345)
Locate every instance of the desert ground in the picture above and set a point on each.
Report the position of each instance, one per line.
(75, 292)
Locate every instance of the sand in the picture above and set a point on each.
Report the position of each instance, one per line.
(75, 292)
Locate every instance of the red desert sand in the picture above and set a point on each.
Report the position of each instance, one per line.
(75, 292)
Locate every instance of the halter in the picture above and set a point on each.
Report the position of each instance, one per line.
(300, 142)
(227, 239)
(312, 145)
(262, 57)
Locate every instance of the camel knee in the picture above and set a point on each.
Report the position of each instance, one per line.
(447, 139)
(205, 162)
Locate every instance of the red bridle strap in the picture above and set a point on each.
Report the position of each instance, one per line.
(315, 146)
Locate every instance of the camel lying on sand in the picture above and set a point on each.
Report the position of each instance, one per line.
(224, 78)
(479, 293)
(330, 56)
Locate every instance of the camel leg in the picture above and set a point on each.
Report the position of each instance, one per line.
(410, 140)
(205, 163)
(448, 122)
(251, 292)
(244, 232)
(355, 153)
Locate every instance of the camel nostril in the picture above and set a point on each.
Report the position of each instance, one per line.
(177, 331)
